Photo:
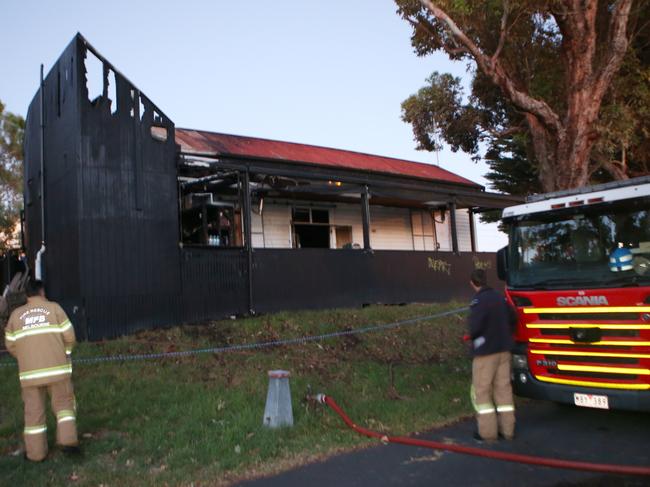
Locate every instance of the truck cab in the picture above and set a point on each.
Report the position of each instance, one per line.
(577, 270)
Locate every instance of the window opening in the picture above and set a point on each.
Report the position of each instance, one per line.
(159, 133)
(423, 230)
(142, 106)
(311, 228)
(94, 76)
(132, 111)
(112, 91)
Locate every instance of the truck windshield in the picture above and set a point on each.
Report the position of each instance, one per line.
(607, 245)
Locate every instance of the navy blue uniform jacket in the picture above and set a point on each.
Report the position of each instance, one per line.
(491, 323)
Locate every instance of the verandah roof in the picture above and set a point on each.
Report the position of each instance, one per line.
(397, 181)
(217, 144)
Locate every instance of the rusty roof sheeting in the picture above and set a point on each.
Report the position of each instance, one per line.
(216, 144)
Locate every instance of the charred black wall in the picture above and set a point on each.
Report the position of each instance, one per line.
(129, 254)
(317, 278)
(215, 280)
(111, 215)
(215, 283)
(61, 118)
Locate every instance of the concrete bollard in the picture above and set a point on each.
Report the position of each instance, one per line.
(278, 411)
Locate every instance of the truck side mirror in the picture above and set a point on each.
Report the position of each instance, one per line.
(502, 263)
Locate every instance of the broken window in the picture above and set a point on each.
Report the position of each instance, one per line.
(210, 208)
(311, 228)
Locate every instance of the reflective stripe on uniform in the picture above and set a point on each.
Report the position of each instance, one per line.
(65, 415)
(49, 372)
(486, 408)
(68, 350)
(35, 430)
(506, 408)
(16, 335)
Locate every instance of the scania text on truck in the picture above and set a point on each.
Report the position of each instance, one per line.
(577, 270)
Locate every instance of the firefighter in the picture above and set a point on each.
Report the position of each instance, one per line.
(491, 327)
(40, 336)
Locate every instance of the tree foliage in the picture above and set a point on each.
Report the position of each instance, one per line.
(556, 95)
(12, 129)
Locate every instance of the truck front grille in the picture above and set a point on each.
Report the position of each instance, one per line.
(592, 375)
(604, 333)
(594, 360)
(590, 316)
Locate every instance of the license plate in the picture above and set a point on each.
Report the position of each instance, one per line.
(590, 401)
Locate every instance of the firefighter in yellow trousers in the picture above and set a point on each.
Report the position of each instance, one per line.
(491, 327)
(40, 336)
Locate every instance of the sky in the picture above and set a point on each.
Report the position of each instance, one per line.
(330, 73)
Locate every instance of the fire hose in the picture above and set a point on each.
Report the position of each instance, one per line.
(481, 452)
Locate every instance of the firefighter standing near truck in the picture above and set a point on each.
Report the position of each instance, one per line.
(40, 336)
(491, 326)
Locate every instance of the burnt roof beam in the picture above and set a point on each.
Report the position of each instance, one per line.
(213, 182)
(431, 190)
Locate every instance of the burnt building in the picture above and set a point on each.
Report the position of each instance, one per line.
(148, 225)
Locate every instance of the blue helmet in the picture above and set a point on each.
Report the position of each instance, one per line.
(621, 260)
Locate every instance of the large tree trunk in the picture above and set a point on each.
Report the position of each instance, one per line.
(545, 153)
(562, 142)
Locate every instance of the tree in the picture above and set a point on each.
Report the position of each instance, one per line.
(12, 129)
(623, 146)
(541, 69)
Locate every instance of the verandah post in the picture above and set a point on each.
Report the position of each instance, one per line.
(365, 209)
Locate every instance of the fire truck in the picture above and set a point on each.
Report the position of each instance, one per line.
(577, 270)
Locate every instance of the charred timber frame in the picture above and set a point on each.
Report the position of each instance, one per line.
(246, 188)
(365, 205)
(454, 230)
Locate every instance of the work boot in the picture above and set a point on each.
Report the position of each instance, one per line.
(27, 459)
(71, 451)
(479, 439)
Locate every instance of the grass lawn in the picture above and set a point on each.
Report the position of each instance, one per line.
(198, 420)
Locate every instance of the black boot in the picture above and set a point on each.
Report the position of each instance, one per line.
(72, 451)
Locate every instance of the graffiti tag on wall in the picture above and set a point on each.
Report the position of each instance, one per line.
(481, 264)
(439, 265)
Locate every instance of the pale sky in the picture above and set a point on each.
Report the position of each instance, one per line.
(330, 73)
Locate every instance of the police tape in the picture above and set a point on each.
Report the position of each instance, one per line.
(258, 345)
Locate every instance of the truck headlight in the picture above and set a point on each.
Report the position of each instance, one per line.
(519, 362)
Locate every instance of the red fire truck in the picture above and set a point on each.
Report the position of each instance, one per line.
(577, 269)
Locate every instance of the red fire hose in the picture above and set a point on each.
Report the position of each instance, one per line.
(480, 452)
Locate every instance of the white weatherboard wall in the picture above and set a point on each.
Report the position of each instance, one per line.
(257, 230)
(277, 226)
(390, 228)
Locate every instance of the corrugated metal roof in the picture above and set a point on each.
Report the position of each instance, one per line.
(202, 142)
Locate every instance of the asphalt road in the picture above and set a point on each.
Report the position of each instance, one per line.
(543, 429)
